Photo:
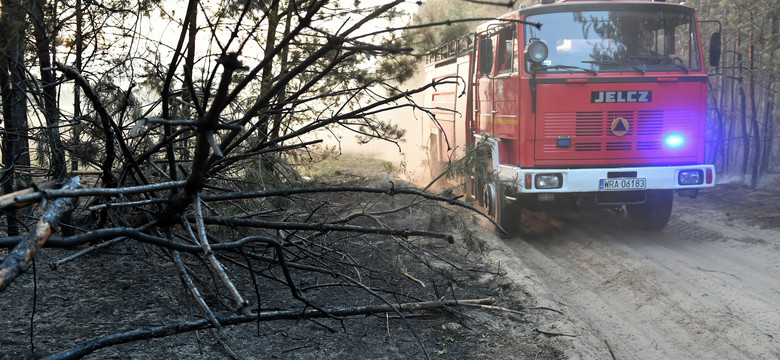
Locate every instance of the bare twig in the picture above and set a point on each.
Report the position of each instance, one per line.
(55, 265)
(491, 307)
(187, 281)
(410, 277)
(550, 333)
(241, 305)
(610, 349)
(547, 308)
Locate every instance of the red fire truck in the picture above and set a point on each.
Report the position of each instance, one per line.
(582, 102)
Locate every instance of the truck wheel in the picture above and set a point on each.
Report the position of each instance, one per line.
(490, 200)
(506, 214)
(654, 214)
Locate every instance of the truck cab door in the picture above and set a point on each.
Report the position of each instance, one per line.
(505, 84)
(483, 91)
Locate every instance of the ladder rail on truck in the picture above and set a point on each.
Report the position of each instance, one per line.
(604, 104)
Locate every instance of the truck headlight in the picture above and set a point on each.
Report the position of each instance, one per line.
(536, 51)
(690, 177)
(549, 181)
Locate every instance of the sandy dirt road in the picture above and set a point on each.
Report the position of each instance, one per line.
(706, 287)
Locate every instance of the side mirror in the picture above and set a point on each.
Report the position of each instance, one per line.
(715, 49)
(485, 56)
(536, 51)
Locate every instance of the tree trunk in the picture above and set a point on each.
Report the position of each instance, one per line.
(50, 108)
(16, 149)
(754, 128)
(745, 135)
(766, 152)
(74, 161)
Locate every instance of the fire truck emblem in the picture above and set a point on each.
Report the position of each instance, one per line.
(619, 126)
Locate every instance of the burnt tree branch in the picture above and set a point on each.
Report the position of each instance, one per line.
(24, 252)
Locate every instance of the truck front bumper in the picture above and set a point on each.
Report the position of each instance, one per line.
(688, 177)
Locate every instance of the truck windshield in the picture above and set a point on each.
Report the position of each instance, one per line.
(616, 41)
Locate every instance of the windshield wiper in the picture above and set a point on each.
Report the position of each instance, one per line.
(662, 59)
(568, 67)
(681, 66)
(613, 63)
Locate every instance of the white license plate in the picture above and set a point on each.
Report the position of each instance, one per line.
(622, 184)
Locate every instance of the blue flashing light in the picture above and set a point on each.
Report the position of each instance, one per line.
(674, 141)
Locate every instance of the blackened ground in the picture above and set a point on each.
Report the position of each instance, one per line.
(131, 286)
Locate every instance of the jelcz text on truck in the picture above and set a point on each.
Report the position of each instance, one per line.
(582, 102)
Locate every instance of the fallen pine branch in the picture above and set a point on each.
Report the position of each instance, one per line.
(168, 330)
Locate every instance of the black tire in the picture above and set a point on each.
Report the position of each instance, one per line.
(505, 213)
(489, 200)
(654, 214)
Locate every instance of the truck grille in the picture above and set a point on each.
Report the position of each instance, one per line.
(591, 130)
